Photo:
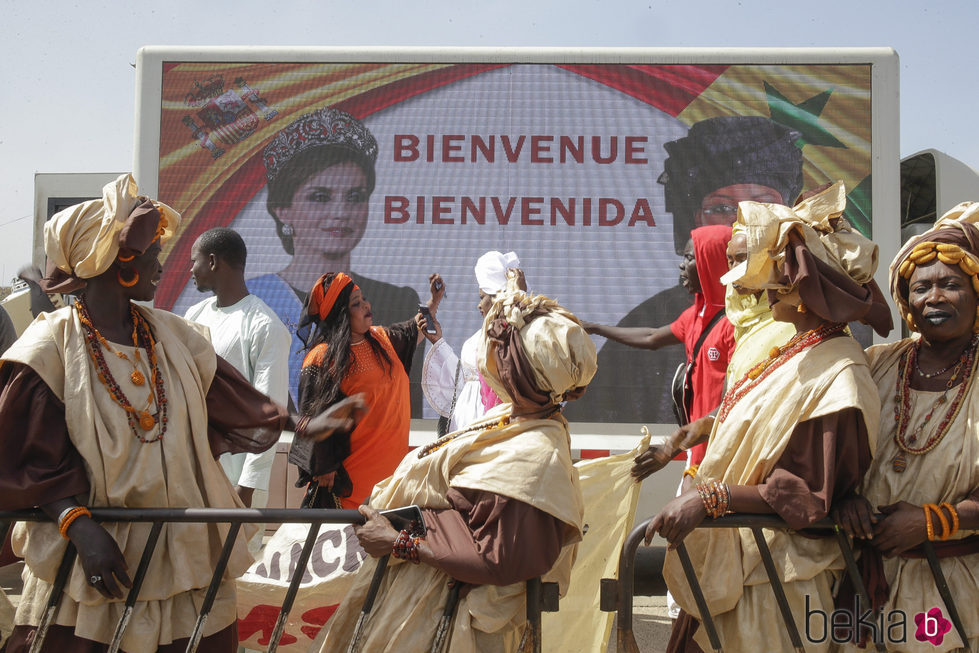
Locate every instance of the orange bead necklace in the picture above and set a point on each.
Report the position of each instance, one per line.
(157, 394)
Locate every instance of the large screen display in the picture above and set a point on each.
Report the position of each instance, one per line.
(593, 173)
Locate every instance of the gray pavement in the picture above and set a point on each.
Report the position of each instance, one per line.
(650, 624)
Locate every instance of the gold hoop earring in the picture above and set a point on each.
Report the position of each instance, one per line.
(801, 308)
(128, 283)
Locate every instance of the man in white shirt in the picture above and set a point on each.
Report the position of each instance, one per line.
(246, 333)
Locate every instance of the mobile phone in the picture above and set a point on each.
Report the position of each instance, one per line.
(429, 327)
(402, 518)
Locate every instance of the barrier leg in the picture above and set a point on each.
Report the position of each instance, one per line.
(144, 565)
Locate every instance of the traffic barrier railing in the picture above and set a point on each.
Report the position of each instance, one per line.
(541, 597)
(617, 594)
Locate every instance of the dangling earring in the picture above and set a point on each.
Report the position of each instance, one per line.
(801, 308)
(287, 230)
(912, 325)
(128, 283)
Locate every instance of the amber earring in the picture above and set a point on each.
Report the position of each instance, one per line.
(128, 283)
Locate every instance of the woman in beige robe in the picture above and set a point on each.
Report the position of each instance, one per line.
(111, 404)
(500, 500)
(790, 437)
(931, 455)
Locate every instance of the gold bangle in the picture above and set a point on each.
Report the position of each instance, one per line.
(955, 519)
(941, 519)
(929, 527)
(690, 471)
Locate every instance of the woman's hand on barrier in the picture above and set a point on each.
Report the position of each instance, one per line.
(677, 518)
(377, 535)
(105, 567)
(342, 416)
(855, 516)
(901, 529)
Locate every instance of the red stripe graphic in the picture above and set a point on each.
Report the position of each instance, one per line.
(668, 88)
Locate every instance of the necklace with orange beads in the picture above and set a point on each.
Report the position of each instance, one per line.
(142, 337)
(776, 358)
(965, 366)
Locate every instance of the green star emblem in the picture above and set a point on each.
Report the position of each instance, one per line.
(802, 117)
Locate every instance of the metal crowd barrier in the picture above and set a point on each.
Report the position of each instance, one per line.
(617, 595)
(540, 596)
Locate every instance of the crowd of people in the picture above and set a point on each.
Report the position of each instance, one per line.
(109, 403)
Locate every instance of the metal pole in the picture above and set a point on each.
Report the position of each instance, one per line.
(942, 585)
(706, 620)
(212, 589)
(64, 570)
(144, 564)
(297, 577)
(773, 579)
(376, 579)
(851, 568)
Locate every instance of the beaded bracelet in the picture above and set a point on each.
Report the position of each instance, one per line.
(716, 497)
(406, 547)
(68, 518)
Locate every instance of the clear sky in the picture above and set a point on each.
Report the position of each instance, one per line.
(67, 82)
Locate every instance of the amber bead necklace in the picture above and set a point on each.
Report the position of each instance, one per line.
(142, 337)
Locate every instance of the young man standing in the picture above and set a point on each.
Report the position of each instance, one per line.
(246, 333)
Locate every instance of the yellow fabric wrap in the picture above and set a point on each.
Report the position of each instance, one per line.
(966, 213)
(819, 221)
(755, 332)
(83, 239)
(561, 353)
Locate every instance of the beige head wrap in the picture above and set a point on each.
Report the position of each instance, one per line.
(954, 239)
(537, 332)
(810, 254)
(83, 240)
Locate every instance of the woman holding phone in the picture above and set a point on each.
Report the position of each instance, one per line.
(346, 355)
(320, 170)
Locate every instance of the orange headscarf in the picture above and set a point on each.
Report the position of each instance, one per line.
(321, 300)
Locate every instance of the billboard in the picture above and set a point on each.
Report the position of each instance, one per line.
(584, 163)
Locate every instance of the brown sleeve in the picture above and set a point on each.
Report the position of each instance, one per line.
(239, 417)
(824, 461)
(404, 339)
(38, 462)
(488, 539)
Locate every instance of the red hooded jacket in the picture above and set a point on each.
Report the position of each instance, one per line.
(707, 380)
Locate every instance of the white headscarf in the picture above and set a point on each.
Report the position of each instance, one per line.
(491, 269)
